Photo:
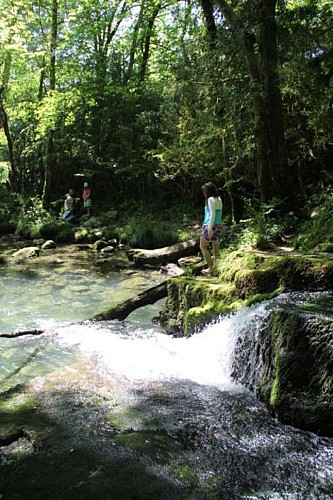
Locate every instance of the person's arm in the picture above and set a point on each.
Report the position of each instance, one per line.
(211, 206)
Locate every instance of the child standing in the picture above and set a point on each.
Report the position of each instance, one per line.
(86, 195)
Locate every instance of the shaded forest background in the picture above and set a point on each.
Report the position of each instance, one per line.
(149, 99)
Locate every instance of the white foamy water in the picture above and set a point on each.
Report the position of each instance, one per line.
(204, 357)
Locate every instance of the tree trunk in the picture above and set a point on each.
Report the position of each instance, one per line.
(121, 311)
(13, 175)
(164, 255)
(146, 50)
(4, 122)
(208, 12)
(276, 162)
(272, 166)
(50, 157)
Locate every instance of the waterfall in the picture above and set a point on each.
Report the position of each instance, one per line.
(206, 357)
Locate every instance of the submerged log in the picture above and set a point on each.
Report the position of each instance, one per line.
(121, 311)
(164, 255)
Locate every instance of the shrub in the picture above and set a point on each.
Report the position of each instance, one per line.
(32, 218)
(318, 229)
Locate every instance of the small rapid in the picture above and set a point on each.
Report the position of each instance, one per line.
(138, 353)
(130, 412)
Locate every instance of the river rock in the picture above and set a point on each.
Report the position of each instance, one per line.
(27, 253)
(108, 249)
(48, 245)
(38, 242)
(100, 244)
(290, 366)
(113, 242)
(171, 270)
(297, 377)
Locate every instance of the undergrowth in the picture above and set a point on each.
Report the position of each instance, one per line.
(142, 225)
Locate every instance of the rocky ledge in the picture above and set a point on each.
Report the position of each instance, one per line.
(295, 350)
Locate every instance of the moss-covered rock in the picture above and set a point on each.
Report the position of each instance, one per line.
(255, 281)
(297, 374)
(192, 302)
(244, 278)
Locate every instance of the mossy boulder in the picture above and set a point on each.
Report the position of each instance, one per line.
(297, 373)
(192, 302)
(244, 278)
(288, 362)
(255, 281)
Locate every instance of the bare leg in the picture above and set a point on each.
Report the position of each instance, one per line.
(216, 249)
(206, 253)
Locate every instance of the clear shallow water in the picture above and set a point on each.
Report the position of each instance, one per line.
(109, 384)
(38, 298)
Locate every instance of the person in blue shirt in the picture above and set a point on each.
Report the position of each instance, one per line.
(212, 226)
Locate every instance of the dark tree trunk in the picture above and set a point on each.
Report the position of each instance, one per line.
(207, 9)
(272, 167)
(275, 166)
(13, 175)
(121, 311)
(147, 41)
(50, 156)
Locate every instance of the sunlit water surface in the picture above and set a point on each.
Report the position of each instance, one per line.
(191, 376)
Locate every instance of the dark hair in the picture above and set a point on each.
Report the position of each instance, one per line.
(209, 189)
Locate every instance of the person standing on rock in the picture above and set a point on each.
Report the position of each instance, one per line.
(212, 226)
(86, 195)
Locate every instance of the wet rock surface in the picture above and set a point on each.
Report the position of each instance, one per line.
(288, 361)
(108, 438)
(76, 429)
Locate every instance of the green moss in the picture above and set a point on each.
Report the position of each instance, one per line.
(19, 411)
(230, 264)
(260, 297)
(274, 394)
(325, 247)
(185, 473)
(81, 234)
(244, 279)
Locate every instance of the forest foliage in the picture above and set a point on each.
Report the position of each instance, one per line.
(148, 99)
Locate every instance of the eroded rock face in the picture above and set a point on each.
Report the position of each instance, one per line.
(292, 368)
(298, 383)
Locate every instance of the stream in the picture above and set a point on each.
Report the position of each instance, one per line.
(122, 411)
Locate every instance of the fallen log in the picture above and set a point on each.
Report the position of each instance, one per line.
(164, 255)
(121, 311)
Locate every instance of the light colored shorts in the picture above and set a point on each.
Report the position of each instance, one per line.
(217, 232)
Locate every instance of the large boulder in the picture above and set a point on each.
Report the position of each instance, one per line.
(297, 376)
(290, 367)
